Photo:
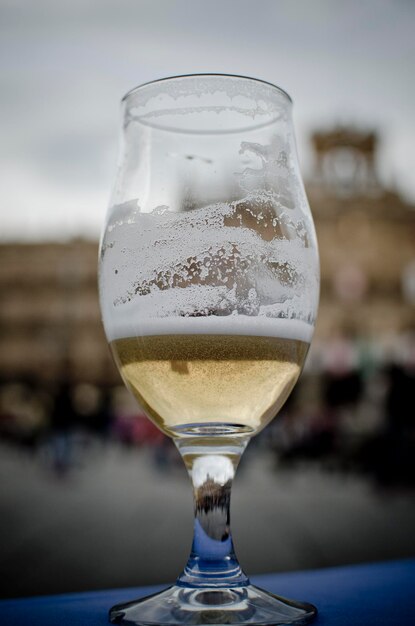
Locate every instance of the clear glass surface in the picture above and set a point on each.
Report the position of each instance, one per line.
(209, 282)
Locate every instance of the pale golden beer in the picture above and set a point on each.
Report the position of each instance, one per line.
(184, 380)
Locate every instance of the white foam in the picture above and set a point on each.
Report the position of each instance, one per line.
(255, 326)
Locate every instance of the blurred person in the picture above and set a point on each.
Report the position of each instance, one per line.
(389, 454)
(23, 412)
(343, 381)
(63, 419)
(94, 408)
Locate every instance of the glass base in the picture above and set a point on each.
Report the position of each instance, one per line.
(237, 605)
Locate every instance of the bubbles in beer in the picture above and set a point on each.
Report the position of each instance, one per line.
(194, 379)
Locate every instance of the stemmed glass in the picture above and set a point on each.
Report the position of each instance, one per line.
(209, 281)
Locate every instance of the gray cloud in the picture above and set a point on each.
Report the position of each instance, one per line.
(65, 65)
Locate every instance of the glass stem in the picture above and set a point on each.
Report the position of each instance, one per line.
(212, 561)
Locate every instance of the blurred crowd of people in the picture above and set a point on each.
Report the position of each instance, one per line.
(61, 420)
(351, 410)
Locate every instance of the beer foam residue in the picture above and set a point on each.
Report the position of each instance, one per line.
(131, 324)
(182, 99)
(241, 257)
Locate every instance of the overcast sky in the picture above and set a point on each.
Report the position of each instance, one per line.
(66, 64)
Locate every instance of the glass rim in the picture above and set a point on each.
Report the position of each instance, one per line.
(207, 75)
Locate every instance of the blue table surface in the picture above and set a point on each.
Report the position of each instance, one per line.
(377, 594)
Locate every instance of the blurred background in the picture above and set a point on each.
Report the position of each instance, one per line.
(89, 489)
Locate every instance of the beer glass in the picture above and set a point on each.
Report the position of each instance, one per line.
(209, 281)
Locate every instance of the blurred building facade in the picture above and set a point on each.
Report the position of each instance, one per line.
(366, 238)
(50, 326)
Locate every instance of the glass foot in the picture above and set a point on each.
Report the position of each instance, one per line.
(237, 605)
